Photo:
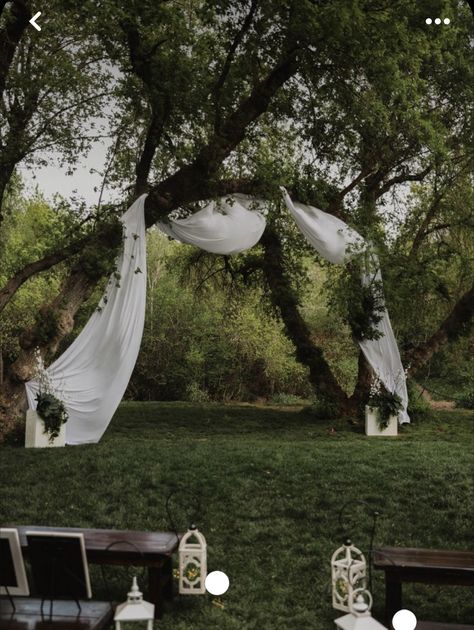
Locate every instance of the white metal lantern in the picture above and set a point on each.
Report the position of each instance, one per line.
(192, 563)
(134, 610)
(359, 617)
(349, 573)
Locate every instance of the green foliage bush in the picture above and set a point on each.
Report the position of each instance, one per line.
(466, 399)
(418, 407)
(195, 394)
(209, 346)
(325, 409)
(26, 235)
(283, 398)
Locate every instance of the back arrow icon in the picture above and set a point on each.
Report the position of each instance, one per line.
(33, 23)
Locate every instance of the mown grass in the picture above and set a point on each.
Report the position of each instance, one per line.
(271, 482)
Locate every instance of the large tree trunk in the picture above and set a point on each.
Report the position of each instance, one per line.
(55, 321)
(362, 386)
(285, 300)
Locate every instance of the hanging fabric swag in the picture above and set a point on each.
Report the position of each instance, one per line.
(335, 241)
(225, 226)
(91, 376)
(93, 373)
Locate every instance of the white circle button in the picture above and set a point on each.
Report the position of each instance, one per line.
(404, 620)
(217, 583)
(438, 21)
(429, 21)
(446, 20)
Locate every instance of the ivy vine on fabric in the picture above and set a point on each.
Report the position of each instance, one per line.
(362, 306)
(365, 308)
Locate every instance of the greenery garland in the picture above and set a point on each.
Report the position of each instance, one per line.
(49, 407)
(364, 311)
(52, 412)
(387, 404)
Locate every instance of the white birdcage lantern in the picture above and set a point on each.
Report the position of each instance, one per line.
(192, 562)
(349, 573)
(134, 610)
(359, 617)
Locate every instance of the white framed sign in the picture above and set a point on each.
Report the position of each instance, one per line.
(12, 568)
(59, 564)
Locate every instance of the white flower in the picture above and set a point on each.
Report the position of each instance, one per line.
(375, 387)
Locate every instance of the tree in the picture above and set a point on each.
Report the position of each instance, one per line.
(206, 97)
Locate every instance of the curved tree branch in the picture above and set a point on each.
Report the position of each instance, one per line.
(456, 324)
(228, 61)
(192, 181)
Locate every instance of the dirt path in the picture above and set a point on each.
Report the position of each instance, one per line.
(435, 404)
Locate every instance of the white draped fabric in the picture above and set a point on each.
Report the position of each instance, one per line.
(335, 241)
(225, 226)
(383, 355)
(93, 373)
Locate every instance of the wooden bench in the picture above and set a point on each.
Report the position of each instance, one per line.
(429, 625)
(27, 615)
(428, 566)
(153, 550)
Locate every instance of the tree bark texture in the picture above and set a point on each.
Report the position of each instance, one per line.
(284, 298)
(455, 325)
(10, 35)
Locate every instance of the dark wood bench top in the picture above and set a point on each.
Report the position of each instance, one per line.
(93, 616)
(430, 625)
(427, 559)
(153, 550)
(141, 547)
(428, 566)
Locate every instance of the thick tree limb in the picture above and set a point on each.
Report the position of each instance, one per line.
(239, 36)
(404, 177)
(421, 233)
(334, 207)
(20, 277)
(285, 299)
(61, 310)
(10, 35)
(191, 182)
(457, 323)
(364, 377)
(152, 139)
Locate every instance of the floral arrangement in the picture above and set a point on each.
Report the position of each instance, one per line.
(50, 408)
(387, 403)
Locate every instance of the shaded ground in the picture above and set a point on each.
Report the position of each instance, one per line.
(433, 402)
(271, 482)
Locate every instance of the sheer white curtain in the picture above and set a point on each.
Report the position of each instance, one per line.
(225, 226)
(335, 241)
(91, 376)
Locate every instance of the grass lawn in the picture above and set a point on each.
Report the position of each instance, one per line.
(271, 482)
